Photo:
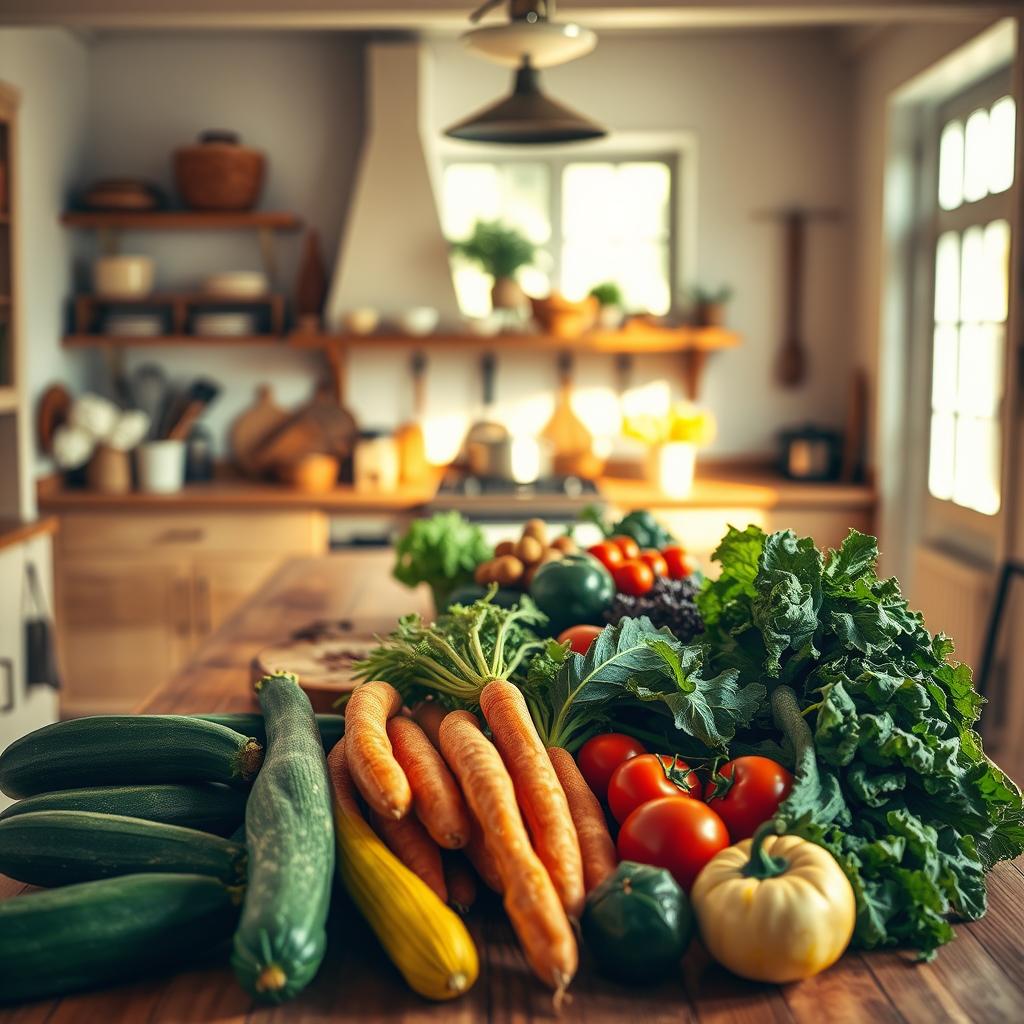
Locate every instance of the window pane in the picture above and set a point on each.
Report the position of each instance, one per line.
(643, 199)
(973, 275)
(940, 458)
(997, 270)
(944, 373)
(977, 156)
(526, 200)
(976, 480)
(639, 268)
(589, 198)
(980, 371)
(1002, 130)
(470, 192)
(947, 278)
(951, 166)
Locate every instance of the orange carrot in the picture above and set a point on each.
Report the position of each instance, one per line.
(460, 880)
(530, 899)
(538, 790)
(435, 794)
(428, 715)
(408, 841)
(480, 857)
(376, 773)
(596, 846)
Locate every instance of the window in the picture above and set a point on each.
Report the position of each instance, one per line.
(971, 304)
(593, 220)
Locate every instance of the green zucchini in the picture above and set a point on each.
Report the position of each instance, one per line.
(332, 727)
(51, 848)
(99, 933)
(111, 750)
(204, 806)
(289, 833)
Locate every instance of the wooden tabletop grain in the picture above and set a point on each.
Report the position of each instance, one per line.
(977, 978)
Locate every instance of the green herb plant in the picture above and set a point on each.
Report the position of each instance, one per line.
(497, 249)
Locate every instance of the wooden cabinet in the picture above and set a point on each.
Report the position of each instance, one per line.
(137, 593)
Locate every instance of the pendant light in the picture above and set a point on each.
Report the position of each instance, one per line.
(527, 116)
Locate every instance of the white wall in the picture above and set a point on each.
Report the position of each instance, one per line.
(51, 69)
(295, 95)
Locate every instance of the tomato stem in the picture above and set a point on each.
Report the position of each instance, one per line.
(762, 864)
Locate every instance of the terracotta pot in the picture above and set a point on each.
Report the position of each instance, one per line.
(109, 471)
(218, 173)
(711, 314)
(506, 294)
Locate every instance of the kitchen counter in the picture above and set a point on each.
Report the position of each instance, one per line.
(17, 531)
(979, 977)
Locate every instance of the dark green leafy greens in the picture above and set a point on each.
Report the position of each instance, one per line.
(442, 552)
(895, 784)
(640, 524)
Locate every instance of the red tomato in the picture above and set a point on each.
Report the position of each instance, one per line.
(758, 786)
(633, 577)
(607, 553)
(626, 544)
(680, 564)
(648, 777)
(599, 757)
(678, 835)
(580, 637)
(654, 559)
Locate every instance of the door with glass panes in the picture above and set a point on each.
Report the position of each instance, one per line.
(965, 500)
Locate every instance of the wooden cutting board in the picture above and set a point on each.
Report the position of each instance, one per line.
(571, 442)
(252, 427)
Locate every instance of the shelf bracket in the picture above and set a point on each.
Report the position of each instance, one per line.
(694, 362)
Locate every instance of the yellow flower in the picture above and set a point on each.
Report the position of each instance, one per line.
(683, 422)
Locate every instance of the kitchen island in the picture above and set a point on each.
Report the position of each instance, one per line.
(979, 977)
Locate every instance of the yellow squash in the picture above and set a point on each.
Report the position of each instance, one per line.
(425, 940)
(775, 908)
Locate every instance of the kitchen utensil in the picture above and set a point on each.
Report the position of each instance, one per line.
(41, 668)
(201, 394)
(810, 453)
(218, 173)
(252, 427)
(161, 466)
(123, 194)
(855, 434)
(123, 276)
(109, 471)
(224, 325)
(311, 282)
(51, 413)
(325, 667)
(571, 442)
(563, 317)
(412, 452)
(314, 473)
(487, 447)
(199, 455)
(361, 321)
(419, 321)
(148, 389)
(375, 461)
(241, 284)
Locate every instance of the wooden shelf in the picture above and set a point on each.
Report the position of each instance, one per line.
(180, 306)
(165, 340)
(181, 220)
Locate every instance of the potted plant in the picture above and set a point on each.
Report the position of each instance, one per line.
(610, 302)
(709, 305)
(673, 439)
(500, 251)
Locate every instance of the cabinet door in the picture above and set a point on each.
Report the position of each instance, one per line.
(223, 584)
(126, 627)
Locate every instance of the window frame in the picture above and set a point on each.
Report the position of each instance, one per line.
(677, 149)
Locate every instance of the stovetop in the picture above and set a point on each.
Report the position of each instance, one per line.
(492, 497)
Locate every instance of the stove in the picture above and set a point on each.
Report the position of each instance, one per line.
(558, 499)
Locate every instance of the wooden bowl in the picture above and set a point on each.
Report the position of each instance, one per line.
(564, 318)
(312, 474)
(218, 173)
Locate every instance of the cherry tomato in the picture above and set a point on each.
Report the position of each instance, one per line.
(678, 835)
(580, 637)
(680, 564)
(626, 544)
(648, 777)
(633, 577)
(758, 785)
(599, 757)
(608, 554)
(655, 560)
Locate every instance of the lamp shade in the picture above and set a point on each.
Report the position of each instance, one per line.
(545, 43)
(527, 116)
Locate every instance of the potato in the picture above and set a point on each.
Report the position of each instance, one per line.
(536, 528)
(484, 572)
(506, 547)
(529, 550)
(551, 555)
(565, 544)
(507, 570)
(531, 571)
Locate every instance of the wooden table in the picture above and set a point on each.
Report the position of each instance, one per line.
(977, 978)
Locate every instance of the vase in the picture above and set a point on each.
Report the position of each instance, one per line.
(672, 467)
(507, 294)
